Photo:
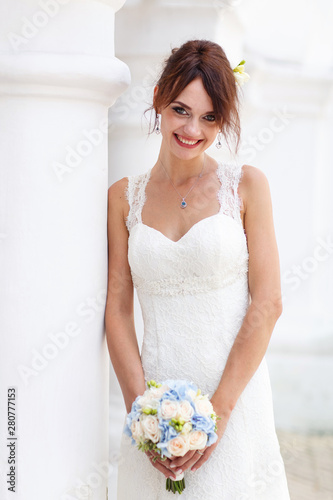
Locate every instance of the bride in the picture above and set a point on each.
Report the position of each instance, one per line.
(196, 238)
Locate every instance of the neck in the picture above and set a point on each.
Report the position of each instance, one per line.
(180, 171)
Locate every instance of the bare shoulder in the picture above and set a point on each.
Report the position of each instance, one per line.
(117, 189)
(253, 186)
(120, 286)
(117, 202)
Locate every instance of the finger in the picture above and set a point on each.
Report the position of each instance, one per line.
(182, 460)
(201, 461)
(167, 472)
(189, 463)
(158, 455)
(157, 458)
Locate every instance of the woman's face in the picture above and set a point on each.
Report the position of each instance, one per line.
(188, 124)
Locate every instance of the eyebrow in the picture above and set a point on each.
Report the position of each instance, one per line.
(190, 109)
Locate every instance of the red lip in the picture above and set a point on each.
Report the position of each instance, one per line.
(188, 146)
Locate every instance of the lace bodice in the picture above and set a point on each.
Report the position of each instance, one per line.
(230, 203)
(179, 274)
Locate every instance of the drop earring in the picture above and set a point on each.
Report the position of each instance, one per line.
(218, 144)
(157, 124)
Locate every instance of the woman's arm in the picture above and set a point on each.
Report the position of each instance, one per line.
(265, 308)
(119, 313)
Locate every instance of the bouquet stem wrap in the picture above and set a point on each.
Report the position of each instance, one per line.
(176, 485)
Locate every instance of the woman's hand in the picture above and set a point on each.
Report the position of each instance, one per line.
(163, 466)
(196, 458)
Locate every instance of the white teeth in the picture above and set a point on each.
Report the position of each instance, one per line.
(191, 143)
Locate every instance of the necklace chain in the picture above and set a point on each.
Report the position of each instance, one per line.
(183, 202)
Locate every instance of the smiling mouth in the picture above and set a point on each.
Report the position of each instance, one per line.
(187, 141)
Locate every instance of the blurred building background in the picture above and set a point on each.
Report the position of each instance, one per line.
(287, 122)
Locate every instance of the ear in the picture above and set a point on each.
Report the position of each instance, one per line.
(155, 93)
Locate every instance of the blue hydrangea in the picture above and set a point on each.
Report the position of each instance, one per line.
(167, 431)
(132, 417)
(212, 438)
(180, 387)
(171, 394)
(204, 424)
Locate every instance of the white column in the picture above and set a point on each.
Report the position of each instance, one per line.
(58, 76)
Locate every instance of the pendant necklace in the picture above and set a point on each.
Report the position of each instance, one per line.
(183, 203)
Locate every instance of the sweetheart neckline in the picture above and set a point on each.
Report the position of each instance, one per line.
(187, 232)
(148, 173)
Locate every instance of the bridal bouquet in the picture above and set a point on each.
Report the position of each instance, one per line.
(172, 418)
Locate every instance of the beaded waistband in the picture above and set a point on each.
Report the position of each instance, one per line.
(191, 285)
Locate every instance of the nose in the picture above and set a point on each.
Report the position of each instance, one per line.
(192, 128)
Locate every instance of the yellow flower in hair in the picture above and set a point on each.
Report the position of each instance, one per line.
(240, 75)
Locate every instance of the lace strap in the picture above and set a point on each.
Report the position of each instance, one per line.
(136, 197)
(230, 175)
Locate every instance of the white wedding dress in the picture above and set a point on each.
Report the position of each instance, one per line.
(194, 296)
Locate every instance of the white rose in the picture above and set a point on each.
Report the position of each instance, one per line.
(137, 431)
(179, 446)
(169, 409)
(203, 406)
(148, 401)
(150, 428)
(197, 440)
(185, 411)
(157, 392)
(192, 394)
(143, 400)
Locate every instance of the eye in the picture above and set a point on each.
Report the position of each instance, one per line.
(210, 118)
(179, 110)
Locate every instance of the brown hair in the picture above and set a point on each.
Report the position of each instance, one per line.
(207, 60)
